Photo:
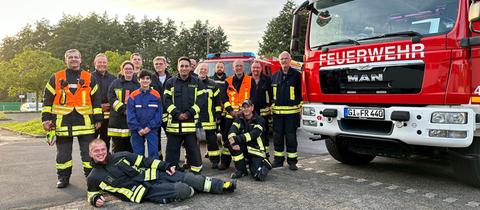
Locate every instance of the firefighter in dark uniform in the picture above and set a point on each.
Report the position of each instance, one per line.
(71, 107)
(262, 99)
(238, 87)
(181, 97)
(209, 113)
(287, 103)
(118, 94)
(158, 83)
(134, 178)
(219, 79)
(104, 80)
(246, 143)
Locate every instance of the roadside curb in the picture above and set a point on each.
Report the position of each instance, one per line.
(4, 120)
(22, 133)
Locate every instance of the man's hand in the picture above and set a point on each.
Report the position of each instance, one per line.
(98, 125)
(146, 130)
(183, 116)
(170, 171)
(231, 140)
(105, 107)
(141, 132)
(235, 147)
(100, 201)
(47, 125)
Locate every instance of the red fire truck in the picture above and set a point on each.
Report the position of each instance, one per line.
(393, 78)
(228, 57)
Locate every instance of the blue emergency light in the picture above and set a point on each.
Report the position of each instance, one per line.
(231, 55)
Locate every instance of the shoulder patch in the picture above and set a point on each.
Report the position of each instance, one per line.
(155, 93)
(135, 93)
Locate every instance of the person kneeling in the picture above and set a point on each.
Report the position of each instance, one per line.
(245, 138)
(135, 178)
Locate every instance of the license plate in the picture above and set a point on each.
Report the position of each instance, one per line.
(367, 113)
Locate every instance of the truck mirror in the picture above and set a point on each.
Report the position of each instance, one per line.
(474, 15)
(296, 27)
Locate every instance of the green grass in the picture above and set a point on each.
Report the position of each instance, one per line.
(33, 127)
(3, 116)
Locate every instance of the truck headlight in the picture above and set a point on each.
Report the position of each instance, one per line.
(449, 117)
(447, 134)
(308, 111)
(310, 123)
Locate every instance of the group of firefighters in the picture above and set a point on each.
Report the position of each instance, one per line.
(135, 106)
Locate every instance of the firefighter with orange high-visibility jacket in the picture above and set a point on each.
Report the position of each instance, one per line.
(72, 108)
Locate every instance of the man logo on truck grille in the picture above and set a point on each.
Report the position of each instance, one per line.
(365, 78)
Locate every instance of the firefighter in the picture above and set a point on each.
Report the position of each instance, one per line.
(209, 113)
(183, 106)
(246, 143)
(158, 83)
(104, 80)
(287, 102)
(72, 107)
(144, 116)
(219, 78)
(262, 99)
(118, 94)
(134, 178)
(238, 87)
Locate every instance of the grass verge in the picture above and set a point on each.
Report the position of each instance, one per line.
(3, 116)
(33, 127)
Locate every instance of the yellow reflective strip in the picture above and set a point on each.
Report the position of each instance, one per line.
(213, 153)
(117, 104)
(119, 94)
(267, 98)
(84, 98)
(196, 108)
(155, 164)
(47, 109)
(50, 88)
(195, 97)
(140, 194)
(292, 155)
(248, 137)
(78, 133)
(292, 93)
(86, 165)
(171, 108)
(260, 143)
(274, 93)
(258, 126)
(91, 195)
(153, 174)
(94, 90)
(88, 122)
(188, 129)
(236, 124)
(227, 104)
(97, 111)
(237, 158)
(147, 174)
(195, 168)
(207, 184)
(167, 92)
(122, 133)
(124, 191)
(216, 93)
(218, 108)
(138, 161)
(63, 166)
(58, 122)
(279, 154)
(225, 151)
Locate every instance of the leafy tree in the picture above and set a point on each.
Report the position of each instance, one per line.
(29, 71)
(276, 38)
(115, 59)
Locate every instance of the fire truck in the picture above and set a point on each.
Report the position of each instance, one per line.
(393, 78)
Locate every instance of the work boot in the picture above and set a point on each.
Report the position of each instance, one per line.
(230, 186)
(186, 166)
(239, 174)
(223, 166)
(277, 164)
(63, 182)
(293, 167)
(214, 165)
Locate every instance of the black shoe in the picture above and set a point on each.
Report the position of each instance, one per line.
(293, 167)
(277, 164)
(239, 174)
(186, 166)
(63, 182)
(214, 165)
(232, 187)
(223, 167)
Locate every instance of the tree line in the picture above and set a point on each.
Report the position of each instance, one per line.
(39, 48)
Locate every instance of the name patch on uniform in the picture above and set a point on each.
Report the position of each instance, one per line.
(72, 86)
(153, 105)
(192, 85)
(138, 106)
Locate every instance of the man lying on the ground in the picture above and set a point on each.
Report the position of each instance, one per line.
(134, 178)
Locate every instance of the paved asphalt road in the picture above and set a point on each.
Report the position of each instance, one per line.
(27, 181)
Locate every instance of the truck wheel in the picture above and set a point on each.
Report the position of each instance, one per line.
(466, 163)
(341, 153)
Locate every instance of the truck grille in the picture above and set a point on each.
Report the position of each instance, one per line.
(396, 77)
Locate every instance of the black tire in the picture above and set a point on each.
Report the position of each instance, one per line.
(466, 163)
(341, 153)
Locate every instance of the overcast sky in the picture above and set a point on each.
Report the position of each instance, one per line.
(243, 21)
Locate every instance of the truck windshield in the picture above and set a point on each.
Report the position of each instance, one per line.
(360, 19)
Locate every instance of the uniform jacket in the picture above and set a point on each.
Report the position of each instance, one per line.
(262, 95)
(287, 92)
(125, 175)
(144, 109)
(210, 111)
(104, 81)
(160, 88)
(250, 133)
(118, 94)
